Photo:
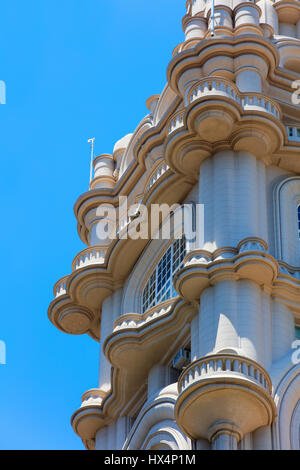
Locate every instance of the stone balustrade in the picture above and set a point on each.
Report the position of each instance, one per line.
(214, 87)
(93, 397)
(60, 287)
(250, 244)
(135, 320)
(224, 365)
(158, 173)
(176, 122)
(284, 268)
(220, 87)
(293, 133)
(91, 255)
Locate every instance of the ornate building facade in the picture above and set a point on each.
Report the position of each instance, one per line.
(198, 341)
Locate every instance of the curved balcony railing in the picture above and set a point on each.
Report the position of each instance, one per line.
(158, 173)
(134, 320)
(220, 87)
(224, 365)
(92, 397)
(60, 287)
(213, 86)
(288, 270)
(293, 133)
(176, 121)
(91, 255)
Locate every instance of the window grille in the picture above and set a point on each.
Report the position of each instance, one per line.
(160, 284)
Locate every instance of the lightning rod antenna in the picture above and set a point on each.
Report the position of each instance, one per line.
(212, 17)
(91, 142)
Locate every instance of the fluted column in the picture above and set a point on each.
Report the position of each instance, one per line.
(232, 189)
(269, 15)
(103, 172)
(224, 436)
(234, 315)
(111, 310)
(249, 81)
(298, 29)
(106, 329)
(196, 6)
(102, 225)
(157, 379)
(246, 17)
(222, 20)
(112, 437)
(195, 28)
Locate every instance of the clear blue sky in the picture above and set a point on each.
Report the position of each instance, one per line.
(74, 69)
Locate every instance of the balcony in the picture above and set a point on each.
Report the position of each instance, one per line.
(92, 255)
(176, 122)
(227, 388)
(77, 296)
(224, 365)
(156, 175)
(217, 87)
(60, 287)
(293, 133)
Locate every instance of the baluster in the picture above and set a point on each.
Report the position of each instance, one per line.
(206, 87)
(203, 370)
(211, 367)
(236, 365)
(244, 368)
(186, 381)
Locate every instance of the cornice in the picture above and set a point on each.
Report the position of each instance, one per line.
(249, 261)
(214, 47)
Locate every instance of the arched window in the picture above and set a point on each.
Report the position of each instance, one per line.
(160, 284)
(287, 220)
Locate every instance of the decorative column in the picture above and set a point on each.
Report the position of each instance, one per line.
(224, 435)
(230, 339)
(106, 330)
(246, 17)
(298, 29)
(194, 27)
(103, 172)
(222, 20)
(249, 80)
(111, 310)
(232, 189)
(269, 17)
(157, 379)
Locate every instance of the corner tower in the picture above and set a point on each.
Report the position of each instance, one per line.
(198, 341)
